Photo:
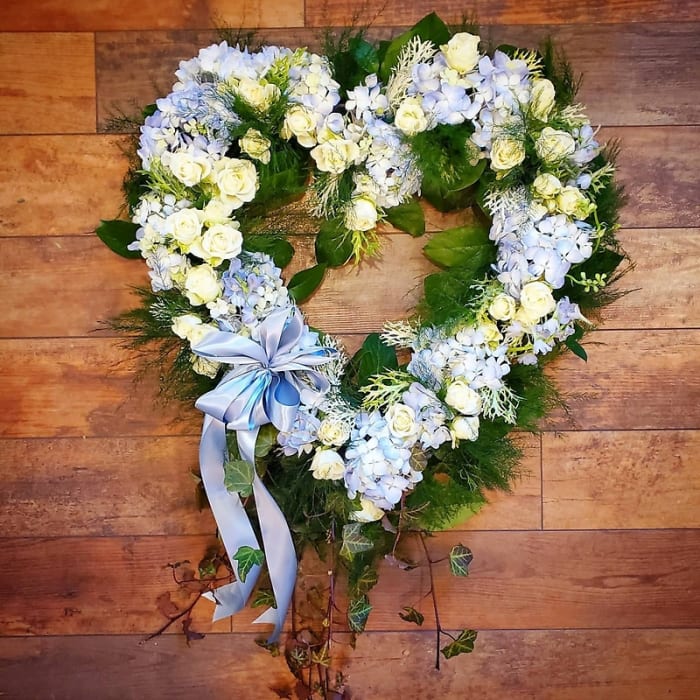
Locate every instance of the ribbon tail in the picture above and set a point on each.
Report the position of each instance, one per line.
(234, 525)
(279, 554)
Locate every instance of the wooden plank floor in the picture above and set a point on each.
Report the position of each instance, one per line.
(586, 580)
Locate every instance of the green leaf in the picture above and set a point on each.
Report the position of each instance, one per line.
(467, 247)
(238, 477)
(460, 558)
(464, 644)
(430, 28)
(305, 282)
(267, 439)
(117, 235)
(364, 581)
(372, 358)
(263, 598)
(358, 612)
(365, 54)
(247, 558)
(412, 615)
(572, 343)
(408, 217)
(354, 541)
(277, 248)
(333, 244)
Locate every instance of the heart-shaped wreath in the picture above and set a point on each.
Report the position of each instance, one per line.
(349, 454)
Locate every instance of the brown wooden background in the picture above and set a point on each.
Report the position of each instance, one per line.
(586, 580)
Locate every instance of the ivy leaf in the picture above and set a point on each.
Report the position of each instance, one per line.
(238, 477)
(263, 598)
(333, 244)
(117, 235)
(430, 28)
(267, 439)
(408, 217)
(305, 282)
(572, 343)
(364, 582)
(464, 644)
(373, 357)
(358, 612)
(247, 558)
(412, 615)
(467, 247)
(277, 248)
(460, 558)
(354, 541)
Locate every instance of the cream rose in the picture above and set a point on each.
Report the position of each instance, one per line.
(465, 428)
(300, 122)
(506, 153)
(258, 95)
(410, 117)
(401, 420)
(255, 145)
(361, 215)
(502, 308)
(220, 242)
(572, 202)
(546, 186)
(237, 181)
(542, 99)
(201, 285)
(188, 169)
(368, 512)
(553, 145)
(184, 227)
(333, 432)
(463, 398)
(201, 365)
(462, 51)
(327, 464)
(537, 300)
(335, 156)
(183, 326)
(491, 334)
(215, 212)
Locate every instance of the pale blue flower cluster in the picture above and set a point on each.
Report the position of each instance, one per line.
(430, 416)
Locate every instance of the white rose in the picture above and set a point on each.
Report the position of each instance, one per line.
(368, 512)
(553, 145)
(401, 420)
(541, 99)
(491, 334)
(463, 398)
(220, 242)
(184, 325)
(537, 300)
(361, 215)
(188, 169)
(237, 181)
(185, 227)
(572, 202)
(506, 153)
(258, 95)
(327, 464)
(215, 212)
(333, 432)
(300, 122)
(201, 365)
(410, 117)
(201, 285)
(465, 428)
(546, 186)
(462, 51)
(502, 308)
(335, 156)
(257, 146)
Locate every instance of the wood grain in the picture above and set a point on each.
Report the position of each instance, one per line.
(518, 665)
(47, 83)
(323, 13)
(518, 580)
(102, 15)
(621, 66)
(642, 479)
(101, 486)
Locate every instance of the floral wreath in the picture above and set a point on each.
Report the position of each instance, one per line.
(301, 443)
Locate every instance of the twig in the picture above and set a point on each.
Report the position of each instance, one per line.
(438, 628)
(171, 620)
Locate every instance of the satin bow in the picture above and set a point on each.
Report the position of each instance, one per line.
(267, 382)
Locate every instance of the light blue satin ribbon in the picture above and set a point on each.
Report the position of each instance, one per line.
(266, 384)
